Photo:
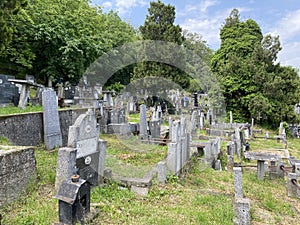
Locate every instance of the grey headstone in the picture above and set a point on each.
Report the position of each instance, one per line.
(155, 128)
(172, 158)
(238, 186)
(162, 172)
(170, 127)
(243, 211)
(102, 156)
(260, 169)
(66, 163)
(52, 131)
(143, 122)
(84, 136)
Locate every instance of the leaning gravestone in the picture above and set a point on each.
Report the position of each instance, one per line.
(85, 153)
(52, 132)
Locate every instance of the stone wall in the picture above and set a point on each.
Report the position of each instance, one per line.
(27, 129)
(17, 172)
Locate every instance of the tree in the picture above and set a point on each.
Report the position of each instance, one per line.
(8, 8)
(159, 25)
(254, 86)
(61, 38)
(195, 43)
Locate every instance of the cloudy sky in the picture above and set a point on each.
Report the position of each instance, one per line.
(277, 17)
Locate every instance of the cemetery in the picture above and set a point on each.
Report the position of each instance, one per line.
(136, 166)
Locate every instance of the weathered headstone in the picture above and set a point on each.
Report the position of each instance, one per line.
(84, 136)
(238, 186)
(172, 157)
(243, 211)
(143, 123)
(162, 172)
(52, 131)
(66, 165)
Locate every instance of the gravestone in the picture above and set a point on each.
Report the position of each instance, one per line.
(162, 172)
(9, 92)
(238, 186)
(91, 152)
(154, 127)
(52, 131)
(243, 211)
(143, 123)
(83, 141)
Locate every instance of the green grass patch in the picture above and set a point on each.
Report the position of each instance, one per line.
(8, 110)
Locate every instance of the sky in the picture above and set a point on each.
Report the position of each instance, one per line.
(205, 17)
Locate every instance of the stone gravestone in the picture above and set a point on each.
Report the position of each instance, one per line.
(143, 123)
(85, 153)
(91, 152)
(52, 132)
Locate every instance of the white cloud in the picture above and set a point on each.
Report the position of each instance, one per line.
(204, 5)
(289, 26)
(124, 6)
(107, 4)
(289, 55)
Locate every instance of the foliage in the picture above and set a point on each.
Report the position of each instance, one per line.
(8, 8)
(159, 25)
(254, 86)
(117, 87)
(59, 39)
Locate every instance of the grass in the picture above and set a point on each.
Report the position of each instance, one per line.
(129, 157)
(8, 110)
(203, 196)
(134, 118)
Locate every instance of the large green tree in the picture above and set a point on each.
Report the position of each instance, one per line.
(59, 39)
(254, 85)
(8, 8)
(159, 25)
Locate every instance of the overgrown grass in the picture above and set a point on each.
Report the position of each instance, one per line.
(129, 157)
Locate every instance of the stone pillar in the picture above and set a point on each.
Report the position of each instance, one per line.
(170, 127)
(66, 163)
(230, 117)
(171, 157)
(260, 169)
(243, 211)
(238, 185)
(188, 148)
(143, 123)
(102, 156)
(162, 172)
